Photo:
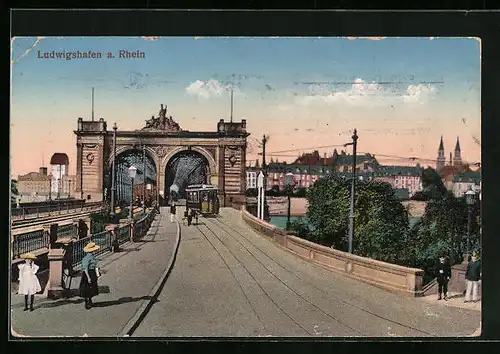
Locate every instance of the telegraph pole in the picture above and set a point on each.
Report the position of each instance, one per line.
(351, 213)
(264, 170)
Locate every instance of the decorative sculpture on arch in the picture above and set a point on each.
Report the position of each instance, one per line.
(162, 122)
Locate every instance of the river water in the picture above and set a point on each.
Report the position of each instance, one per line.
(280, 221)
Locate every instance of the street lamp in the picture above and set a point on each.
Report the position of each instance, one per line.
(289, 184)
(470, 199)
(113, 185)
(351, 212)
(132, 170)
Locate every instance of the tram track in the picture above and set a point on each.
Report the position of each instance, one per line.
(250, 274)
(223, 226)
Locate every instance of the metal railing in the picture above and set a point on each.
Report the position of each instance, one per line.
(39, 239)
(34, 212)
(103, 239)
(29, 242)
(141, 227)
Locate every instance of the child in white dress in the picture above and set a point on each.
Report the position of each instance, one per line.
(28, 281)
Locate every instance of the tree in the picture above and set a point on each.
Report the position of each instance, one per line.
(381, 219)
(432, 184)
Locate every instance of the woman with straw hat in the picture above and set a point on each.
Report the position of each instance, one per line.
(90, 273)
(28, 281)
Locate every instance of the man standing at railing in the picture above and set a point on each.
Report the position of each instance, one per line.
(83, 229)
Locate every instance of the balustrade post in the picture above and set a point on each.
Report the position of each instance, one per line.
(55, 285)
(24, 213)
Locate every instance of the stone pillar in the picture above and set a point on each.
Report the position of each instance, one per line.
(457, 281)
(55, 285)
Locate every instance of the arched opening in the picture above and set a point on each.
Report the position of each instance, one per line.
(146, 172)
(185, 168)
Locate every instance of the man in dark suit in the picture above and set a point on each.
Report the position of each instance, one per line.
(443, 275)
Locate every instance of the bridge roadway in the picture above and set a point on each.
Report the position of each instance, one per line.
(228, 281)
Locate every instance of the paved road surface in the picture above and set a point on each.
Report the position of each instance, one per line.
(230, 281)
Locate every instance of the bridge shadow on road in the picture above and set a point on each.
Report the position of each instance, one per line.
(74, 301)
(122, 300)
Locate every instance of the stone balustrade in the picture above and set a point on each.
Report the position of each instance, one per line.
(407, 281)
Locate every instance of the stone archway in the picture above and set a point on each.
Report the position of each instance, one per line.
(186, 167)
(126, 156)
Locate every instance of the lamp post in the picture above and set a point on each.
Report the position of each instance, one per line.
(289, 184)
(351, 212)
(113, 184)
(470, 198)
(260, 195)
(132, 170)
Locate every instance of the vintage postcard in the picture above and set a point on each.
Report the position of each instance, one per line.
(245, 187)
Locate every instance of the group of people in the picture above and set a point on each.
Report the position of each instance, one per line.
(29, 284)
(472, 277)
(189, 215)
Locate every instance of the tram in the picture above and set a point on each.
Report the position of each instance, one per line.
(203, 198)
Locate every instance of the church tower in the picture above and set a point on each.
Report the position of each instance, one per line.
(457, 158)
(441, 159)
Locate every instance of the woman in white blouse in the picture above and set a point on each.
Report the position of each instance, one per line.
(28, 281)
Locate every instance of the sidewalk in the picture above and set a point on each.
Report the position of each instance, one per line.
(127, 284)
(454, 300)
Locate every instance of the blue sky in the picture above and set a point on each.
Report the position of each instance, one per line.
(273, 77)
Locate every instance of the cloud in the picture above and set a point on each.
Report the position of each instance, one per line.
(363, 93)
(209, 89)
(420, 93)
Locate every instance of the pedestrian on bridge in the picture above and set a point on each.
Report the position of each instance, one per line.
(189, 216)
(28, 281)
(472, 276)
(172, 211)
(83, 229)
(90, 272)
(443, 275)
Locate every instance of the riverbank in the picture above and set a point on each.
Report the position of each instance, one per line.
(278, 206)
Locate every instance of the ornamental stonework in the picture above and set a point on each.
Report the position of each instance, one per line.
(161, 151)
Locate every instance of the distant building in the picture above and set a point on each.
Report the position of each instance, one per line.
(34, 186)
(68, 186)
(401, 177)
(364, 163)
(464, 181)
(441, 159)
(59, 167)
(150, 190)
(310, 167)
